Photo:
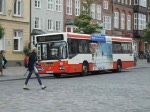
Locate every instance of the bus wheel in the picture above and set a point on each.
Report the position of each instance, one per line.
(57, 75)
(119, 67)
(85, 69)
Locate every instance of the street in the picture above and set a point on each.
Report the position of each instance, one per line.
(128, 91)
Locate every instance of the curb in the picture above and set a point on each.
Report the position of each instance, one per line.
(20, 78)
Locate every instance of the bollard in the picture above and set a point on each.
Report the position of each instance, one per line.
(1, 68)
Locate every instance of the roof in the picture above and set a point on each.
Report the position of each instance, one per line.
(37, 32)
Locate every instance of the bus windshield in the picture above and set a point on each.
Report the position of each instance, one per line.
(52, 51)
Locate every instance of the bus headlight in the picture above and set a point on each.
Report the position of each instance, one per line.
(62, 68)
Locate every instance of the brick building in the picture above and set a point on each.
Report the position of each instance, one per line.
(123, 18)
(140, 15)
(147, 46)
(73, 8)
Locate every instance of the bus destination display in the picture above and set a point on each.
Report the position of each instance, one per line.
(50, 38)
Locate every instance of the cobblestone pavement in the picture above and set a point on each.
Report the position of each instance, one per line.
(18, 72)
(128, 91)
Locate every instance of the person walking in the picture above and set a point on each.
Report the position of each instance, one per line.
(4, 59)
(32, 69)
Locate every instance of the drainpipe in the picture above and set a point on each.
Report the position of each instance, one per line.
(30, 24)
(112, 17)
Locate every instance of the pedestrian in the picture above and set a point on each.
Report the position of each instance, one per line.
(32, 69)
(4, 59)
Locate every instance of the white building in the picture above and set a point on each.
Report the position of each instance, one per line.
(46, 17)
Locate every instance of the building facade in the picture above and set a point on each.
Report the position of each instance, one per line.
(73, 8)
(23, 19)
(15, 19)
(140, 22)
(46, 17)
(147, 46)
(122, 18)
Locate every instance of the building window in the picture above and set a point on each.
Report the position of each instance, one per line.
(18, 40)
(122, 21)
(69, 7)
(142, 3)
(122, 1)
(50, 25)
(139, 21)
(2, 4)
(126, 2)
(37, 4)
(50, 5)
(37, 23)
(135, 21)
(84, 8)
(99, 12)
(93, 11)
(77, 7)
(118, 0)
(129, 22)
(107, 22)
(106, 5)
(58, 6)
(135, 2)
(129, 2)
(116, 19)
(3, 42)
(68, 29)
(17, 8)
(142, 21)
(58, 26)
(71, 28)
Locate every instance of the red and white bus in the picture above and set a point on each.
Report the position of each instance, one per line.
(70, 53)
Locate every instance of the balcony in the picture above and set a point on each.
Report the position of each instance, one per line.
(140, 9)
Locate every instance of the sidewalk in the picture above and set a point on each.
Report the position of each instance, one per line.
(142, 63)
(17, 73)
(11, 73)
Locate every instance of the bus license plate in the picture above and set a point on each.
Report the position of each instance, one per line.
(49, 71)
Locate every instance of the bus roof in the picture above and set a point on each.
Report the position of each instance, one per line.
(121, 39)
(79, 36)
(89, 37)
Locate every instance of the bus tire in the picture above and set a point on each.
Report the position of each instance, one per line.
(119, 66)
(85, 69)
(57, 75)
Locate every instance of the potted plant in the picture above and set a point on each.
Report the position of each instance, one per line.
(26, 51)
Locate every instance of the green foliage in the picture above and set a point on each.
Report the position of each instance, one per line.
(1, 32)
(146, 35)
(26, 50)
(83, 22)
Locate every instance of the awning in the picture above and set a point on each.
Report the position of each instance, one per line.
(37, 32)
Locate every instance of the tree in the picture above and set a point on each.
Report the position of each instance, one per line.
(83, 22)
(146, 35)
(1, 32)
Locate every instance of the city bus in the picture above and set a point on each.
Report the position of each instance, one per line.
(73, 53)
